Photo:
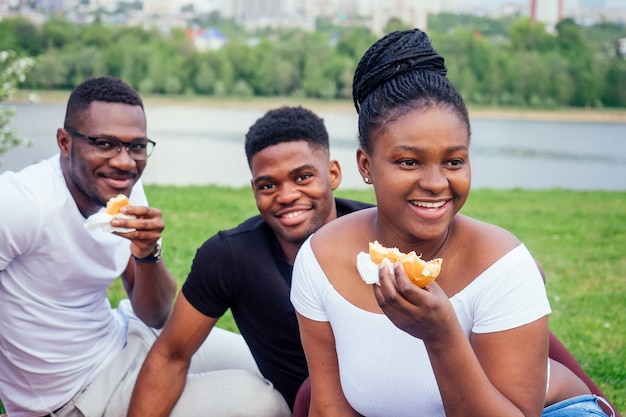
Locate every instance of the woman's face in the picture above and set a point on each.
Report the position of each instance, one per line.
(419, 167)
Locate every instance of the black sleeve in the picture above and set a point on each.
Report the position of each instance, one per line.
(209, 287)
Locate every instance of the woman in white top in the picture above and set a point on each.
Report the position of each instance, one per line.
(472, 343)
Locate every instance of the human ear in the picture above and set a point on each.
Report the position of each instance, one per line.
(64, 141)
(363, 163)
(334, 173)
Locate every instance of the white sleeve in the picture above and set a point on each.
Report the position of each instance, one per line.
(309, 285)
(509, 294)
(20, 218)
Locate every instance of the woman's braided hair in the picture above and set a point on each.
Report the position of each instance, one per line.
(401, 72)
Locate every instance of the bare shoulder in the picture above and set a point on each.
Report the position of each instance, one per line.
(475, 247)
(351, 227)
(479, 237)
(344, 236)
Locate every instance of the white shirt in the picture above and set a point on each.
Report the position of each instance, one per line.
(385, 371)
(57, 328)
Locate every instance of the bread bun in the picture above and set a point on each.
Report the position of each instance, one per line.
(420, 272)
(115, 203)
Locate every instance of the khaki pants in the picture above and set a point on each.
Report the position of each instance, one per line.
(223, 381)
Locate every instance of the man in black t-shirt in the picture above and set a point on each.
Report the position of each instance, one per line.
(248, 268)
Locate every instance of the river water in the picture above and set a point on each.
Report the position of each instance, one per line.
(204, 145)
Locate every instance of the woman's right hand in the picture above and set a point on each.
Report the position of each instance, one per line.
(424, 313)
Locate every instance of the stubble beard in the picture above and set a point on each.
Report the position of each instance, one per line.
(75, 163)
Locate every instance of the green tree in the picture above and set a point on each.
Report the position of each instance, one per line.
(560, 85)
(493, 28)
(85, 63)
(96, 35)
(313, 53)
(224, 68)
(354, 42)
(58, 32)
(204, 79)
(157, 71)
(13, 71)
(341, 70)
(528, 78)
(50, 71)
(577, 66)
(395, 24)
(569, 37)
(242, 89)
(246, 58)
(21, 36)
(614, 92)
(127, 59)
(172, 85)
(586, 74)
(282, 76)
(313, 79)
(528, 36)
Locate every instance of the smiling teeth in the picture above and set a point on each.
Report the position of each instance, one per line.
(292, 214)
(429, 205)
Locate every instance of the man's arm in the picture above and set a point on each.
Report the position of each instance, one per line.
(149, 285)
(163, 375)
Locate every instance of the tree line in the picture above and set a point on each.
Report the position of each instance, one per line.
(493, 62)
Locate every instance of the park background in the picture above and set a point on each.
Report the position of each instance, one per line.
(507, 67)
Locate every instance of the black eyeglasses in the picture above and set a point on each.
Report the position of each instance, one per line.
(109, 147)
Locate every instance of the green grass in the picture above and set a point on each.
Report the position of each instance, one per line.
(579, 238)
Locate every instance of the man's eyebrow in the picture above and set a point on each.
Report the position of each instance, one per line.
(293, 172)
(113, 137)
(302, 168)
(262, 178)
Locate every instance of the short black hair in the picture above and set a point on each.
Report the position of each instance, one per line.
(286, 124)
(105, 88)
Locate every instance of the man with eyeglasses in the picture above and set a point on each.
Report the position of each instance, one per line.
(108, 146)
(63, 350)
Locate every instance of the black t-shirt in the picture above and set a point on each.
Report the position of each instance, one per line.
(244, 269)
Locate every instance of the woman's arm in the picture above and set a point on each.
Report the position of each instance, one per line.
(327, 397)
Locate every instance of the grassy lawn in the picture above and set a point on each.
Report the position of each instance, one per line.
(579, 238)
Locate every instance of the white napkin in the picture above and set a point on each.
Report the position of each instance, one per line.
(102, 220)
(369, 270)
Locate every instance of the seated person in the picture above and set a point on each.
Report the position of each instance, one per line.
(248, 268)
(64, 349)
(474, 342)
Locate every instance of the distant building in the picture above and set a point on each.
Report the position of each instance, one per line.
(160, 7)
(549, 12)
(259, 14)
(375, 14)
(303, 14)
(414, 13)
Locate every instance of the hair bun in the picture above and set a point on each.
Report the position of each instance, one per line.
(392, 55)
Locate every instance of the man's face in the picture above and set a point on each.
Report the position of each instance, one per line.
(92, 179)
(293, 185)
